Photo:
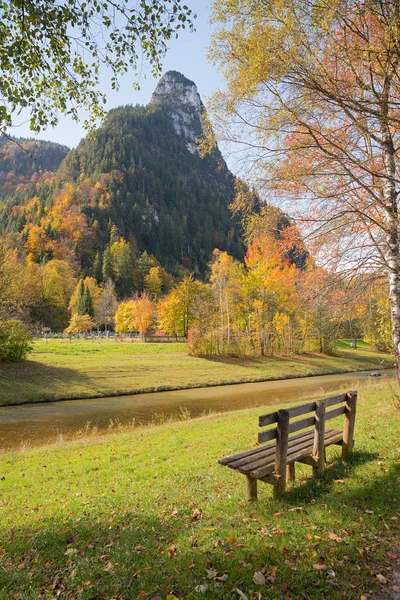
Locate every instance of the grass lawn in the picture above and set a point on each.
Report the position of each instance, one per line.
(61, 369)
(148, 512)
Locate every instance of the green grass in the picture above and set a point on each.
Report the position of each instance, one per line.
(60, 370)
(147, 512)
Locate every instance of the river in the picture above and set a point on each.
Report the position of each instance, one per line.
(41, 423)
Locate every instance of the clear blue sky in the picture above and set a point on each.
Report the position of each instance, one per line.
(186, 54)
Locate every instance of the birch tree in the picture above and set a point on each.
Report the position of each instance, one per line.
(51, 53)
(313, 93)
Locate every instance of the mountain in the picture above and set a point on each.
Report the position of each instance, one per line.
(140, 179)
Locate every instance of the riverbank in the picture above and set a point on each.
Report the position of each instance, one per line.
(148, 512)
(62, 370)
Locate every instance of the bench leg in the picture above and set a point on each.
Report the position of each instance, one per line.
(251, 489)
(291, 472)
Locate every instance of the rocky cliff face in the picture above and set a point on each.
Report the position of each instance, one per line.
(178, 96)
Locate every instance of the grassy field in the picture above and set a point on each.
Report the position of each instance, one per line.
(148, 513)
(60, 370)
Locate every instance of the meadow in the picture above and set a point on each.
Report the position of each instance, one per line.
(60, 370)
(148, 513)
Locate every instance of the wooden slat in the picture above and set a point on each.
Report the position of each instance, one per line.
(238, 460)
(297, 411)
(335, 400)
(302, 424)
(303, 409)
(269, 419)
(248, 464)
(301, 452)
(304, 448)
(228, 459)
(265, 436)
(331, 414)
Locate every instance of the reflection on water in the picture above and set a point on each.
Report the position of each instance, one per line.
(45, 422)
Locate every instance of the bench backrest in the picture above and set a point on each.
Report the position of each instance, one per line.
(320, 416)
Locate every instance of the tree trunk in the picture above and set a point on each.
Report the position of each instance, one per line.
(392, 237)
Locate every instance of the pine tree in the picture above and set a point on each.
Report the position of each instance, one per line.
(97, 268)
(88, 302)
(80, 304)
(108, 265)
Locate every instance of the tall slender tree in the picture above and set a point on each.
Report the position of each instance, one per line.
(317, 86)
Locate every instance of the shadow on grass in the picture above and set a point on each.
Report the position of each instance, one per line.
(307, 359)
(336, 469)
(31, 381)
(117, 549)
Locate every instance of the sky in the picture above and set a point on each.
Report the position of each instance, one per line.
(187, 54)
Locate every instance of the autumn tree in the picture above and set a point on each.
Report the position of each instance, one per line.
(51, 53)
(176, 311)
(57, 284)
(153, 283)
(313, 89)
(136, 315)
(224, 279)
(80, 324)
(106, 305)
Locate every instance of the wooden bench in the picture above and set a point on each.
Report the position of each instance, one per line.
(274, 463)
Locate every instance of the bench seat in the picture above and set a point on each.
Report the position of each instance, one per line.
(260, 462)
(274, 462)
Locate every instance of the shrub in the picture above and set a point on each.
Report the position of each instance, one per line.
(15, 340)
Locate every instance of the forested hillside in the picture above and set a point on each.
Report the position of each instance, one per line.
(139, 183)
(23, 161)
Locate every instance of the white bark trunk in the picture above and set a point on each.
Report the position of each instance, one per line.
(392, 239)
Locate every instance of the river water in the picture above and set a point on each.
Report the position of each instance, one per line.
(41, 423)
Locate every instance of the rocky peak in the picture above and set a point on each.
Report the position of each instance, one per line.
(178, 96)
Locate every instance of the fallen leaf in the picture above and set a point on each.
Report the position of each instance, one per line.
(70, 551)
(231, 539)
(319, 567)
(212, 573)
(331, 573)
(201, 588)
(109, 567)
(391, 555)
(381, 578)
(335, 538)
(258, 578)
(243, 596)
(223, 577)
(171, 597)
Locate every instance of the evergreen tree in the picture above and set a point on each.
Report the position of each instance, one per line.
(88, 302)
(80, 304)
(97, 268)
(108, 265)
